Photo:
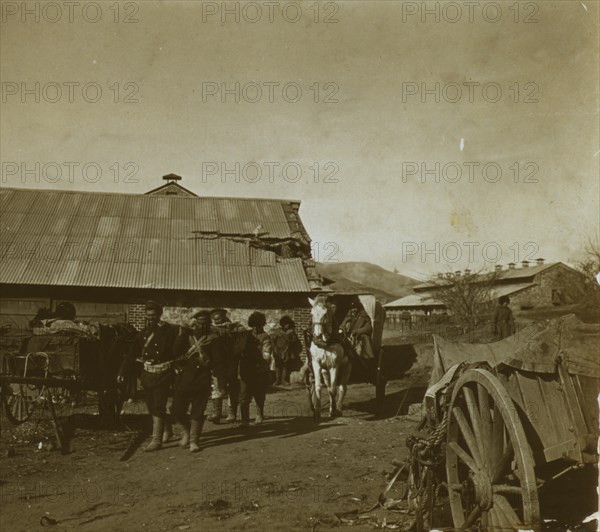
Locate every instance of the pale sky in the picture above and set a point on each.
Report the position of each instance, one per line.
(370, 61)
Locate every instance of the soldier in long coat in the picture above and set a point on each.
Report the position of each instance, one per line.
(229, 383)
(255, 362)
(286, 350)
(504, 321)
(154, 347)
(198, 352)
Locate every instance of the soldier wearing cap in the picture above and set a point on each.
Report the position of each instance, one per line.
(198, 352)
(255, 362)
(226, 380)
(154, 347)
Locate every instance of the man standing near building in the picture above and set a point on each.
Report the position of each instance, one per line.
(226, 381)
(154, 347)
(286, 350)
(198, 352)
(504, 322)
(255, 362)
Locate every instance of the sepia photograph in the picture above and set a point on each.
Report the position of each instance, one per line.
(299, 265)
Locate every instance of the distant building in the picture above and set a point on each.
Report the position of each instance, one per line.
(532, 285)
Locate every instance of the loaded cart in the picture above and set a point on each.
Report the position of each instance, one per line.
(36, 370)
(504, 423)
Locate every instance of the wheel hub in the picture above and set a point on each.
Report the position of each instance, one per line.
(483, 489)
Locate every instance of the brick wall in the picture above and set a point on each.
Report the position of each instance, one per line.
(136, 315)
(302, 318)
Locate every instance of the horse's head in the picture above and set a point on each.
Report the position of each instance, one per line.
(321, 318)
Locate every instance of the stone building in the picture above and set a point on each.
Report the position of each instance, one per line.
(532, 285)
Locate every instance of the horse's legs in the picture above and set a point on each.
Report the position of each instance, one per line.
(333, 386)
(317, 391)
(343, 385)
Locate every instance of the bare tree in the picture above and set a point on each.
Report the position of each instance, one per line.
(588, 286)
(467, 296)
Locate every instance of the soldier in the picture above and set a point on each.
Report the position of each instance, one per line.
(198, 352)
(230, 386)
(504, 321)
(255, 362)
(286, 350)
(154, 346)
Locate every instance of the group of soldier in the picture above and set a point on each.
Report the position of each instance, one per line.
(214, 358)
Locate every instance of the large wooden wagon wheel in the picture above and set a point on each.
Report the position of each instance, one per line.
(20, 401)
(489, 464)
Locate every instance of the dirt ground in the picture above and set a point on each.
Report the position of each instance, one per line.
(286, 474)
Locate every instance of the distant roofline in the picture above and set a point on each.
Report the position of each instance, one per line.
(529, 271)
(145, 194)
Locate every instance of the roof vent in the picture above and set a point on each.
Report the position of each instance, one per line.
(525, 264)
(172, 177)
(511, 265)
(540, 262)
(498, 267)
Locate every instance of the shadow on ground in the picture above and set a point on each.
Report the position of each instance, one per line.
(395, 404)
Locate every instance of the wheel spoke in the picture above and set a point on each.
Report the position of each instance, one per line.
(463, 456)
(500, 467)
(510, 516)
(497, 443)
(486, 418)
(484, 519)
(475, 416)
(472, 519)
(507, 489)
(493, 522)
(467, 434)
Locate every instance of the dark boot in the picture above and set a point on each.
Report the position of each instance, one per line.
(260, 414)
(158, 426)
(168, 430)
(278, 374)
(185, 436)
(217, 413)
(245, 412)
(195, 431)
(232, 416)
(285, 376)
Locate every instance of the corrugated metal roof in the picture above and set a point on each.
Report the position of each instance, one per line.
(117, 240)
(529, 271)
(426, 299)
(414, 300)
(508, 289)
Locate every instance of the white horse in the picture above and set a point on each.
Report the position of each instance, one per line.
(329, 362)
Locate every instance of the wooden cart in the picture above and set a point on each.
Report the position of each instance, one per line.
(515, 422)
(36, 370)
